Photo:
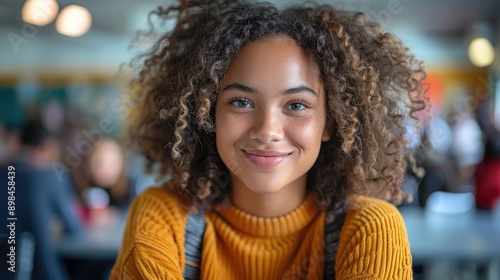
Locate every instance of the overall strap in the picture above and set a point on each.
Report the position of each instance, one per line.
(332, 238)
(195, 228)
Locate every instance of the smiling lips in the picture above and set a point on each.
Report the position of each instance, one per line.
(265, 159)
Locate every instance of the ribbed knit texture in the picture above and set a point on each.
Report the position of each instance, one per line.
(373, 242)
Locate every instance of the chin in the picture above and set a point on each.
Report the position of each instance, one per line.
(263, 189)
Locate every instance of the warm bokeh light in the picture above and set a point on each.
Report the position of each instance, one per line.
(40, 12)
(74, 21)
(481, 52)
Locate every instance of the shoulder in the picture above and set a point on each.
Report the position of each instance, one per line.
(156, 210)
(373, 241)
(153, 241)
(364, 209)
(159, 196)
(368, 216)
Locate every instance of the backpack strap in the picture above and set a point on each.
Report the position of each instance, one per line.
(332, 239)
(195, 228)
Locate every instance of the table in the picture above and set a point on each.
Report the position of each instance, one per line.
(96, 243)
(472, 236)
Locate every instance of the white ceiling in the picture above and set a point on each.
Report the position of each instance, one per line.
(434, 29)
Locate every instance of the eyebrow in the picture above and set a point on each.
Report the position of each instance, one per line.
(294, 90)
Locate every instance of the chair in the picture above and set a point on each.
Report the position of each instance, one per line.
(26, 256)
(450, 210)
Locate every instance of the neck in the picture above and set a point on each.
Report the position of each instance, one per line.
(268, 205)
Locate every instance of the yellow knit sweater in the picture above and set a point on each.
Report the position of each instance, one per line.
(373, 242)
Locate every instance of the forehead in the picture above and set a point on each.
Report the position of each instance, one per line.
(272, 58)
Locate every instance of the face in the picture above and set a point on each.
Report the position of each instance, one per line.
(270, 116)
(106, 163)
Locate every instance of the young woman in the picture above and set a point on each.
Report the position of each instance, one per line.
(282, 129)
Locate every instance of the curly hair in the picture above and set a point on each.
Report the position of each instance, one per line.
(373, 85)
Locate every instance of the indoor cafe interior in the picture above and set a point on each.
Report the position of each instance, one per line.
(64, 76)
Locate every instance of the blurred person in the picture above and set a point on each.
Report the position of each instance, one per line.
(9, 144)
(467, 149)
(106, 191)
(440, 168)
(41, 196)
(487, 175)
(456, 147)
(105, 168)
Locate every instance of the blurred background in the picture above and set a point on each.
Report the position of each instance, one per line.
(63, 127)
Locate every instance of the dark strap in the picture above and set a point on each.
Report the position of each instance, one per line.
(195, 228)
(332, 239)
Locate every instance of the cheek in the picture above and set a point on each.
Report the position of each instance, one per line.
(307, 136)
(309, 130)
(227, 133)
(228, 129)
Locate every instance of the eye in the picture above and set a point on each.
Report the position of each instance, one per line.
(240, 102)
(297, 106)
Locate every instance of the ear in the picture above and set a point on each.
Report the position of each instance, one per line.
(327, 132)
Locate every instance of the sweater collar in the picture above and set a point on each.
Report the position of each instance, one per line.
(287, 224)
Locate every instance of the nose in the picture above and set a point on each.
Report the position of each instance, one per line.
(267, 127)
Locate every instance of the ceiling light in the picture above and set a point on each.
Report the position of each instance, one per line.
(481, 52)
(74, 21)
(40, 12)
